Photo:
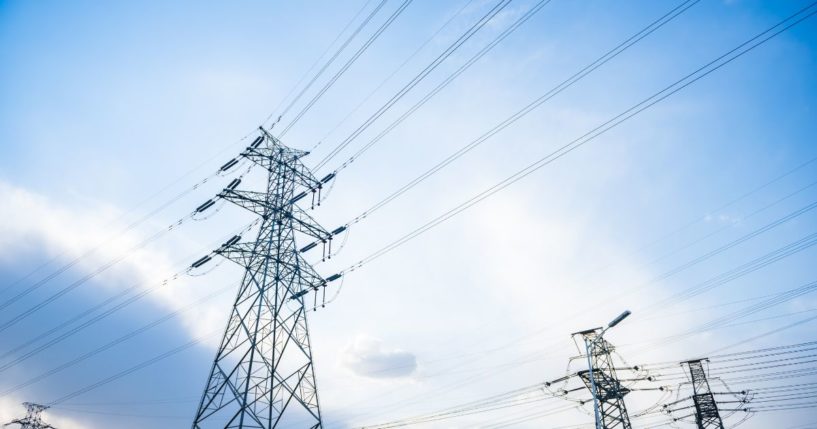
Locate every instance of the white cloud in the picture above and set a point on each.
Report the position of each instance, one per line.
(38, 227)
(368, 357)
(723, 218)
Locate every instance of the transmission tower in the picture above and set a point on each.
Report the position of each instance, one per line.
(600, 378)
(706, 408)
(263, 375)
(33, 418)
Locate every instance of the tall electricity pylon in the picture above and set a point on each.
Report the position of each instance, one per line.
(33, 418)
(263, 375)
(706, 408)
(600, 378)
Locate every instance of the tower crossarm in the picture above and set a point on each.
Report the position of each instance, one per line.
(608, 387)
(256, 202)
(267, 158)
(247, 255)
(306, 225)
(250, 200)
(274, 156)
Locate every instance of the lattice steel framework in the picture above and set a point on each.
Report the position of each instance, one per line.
(706, 408)
(33, 418)
(608, 390)
(263, 375)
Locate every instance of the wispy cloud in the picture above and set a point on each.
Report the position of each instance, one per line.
(369, 357)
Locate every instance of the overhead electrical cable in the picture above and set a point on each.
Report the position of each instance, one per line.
(346, 66)
(766, 334)
(728, 227)
(478, 25)
(780, 298)
(67, 323)
(735, 273)
(124, 255)
(488, 403)
(97, 246)
(328, 62)
(793, 215)
(451, 77)
(119, 340)
(648, 102)
(101, 316)
(84, 279)
(528, 417)
(746, 354)
(128, 227)
(609, 55)
(138, 367)
(722, 207)
(331, 60)
(388, 78)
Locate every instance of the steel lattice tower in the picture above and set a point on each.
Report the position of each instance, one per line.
(33, 418)
(706, 408)
(263, 375)
(610, 392)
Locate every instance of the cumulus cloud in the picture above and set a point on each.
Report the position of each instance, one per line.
(369, 357)
(40, 227)
(53, 229)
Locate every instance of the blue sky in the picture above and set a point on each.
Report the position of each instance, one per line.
(106, 104)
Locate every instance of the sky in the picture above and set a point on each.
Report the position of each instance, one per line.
(111, 112)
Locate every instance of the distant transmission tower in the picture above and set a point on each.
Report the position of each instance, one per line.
(706, 408)
(33, 418)
(262, 375)
(600, 378)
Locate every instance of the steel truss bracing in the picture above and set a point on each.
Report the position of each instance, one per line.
(33, 418)
(706, 408)
(603, 383)
(263, 375)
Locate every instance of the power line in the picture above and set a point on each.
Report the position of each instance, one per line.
(99, 317)
(442, 85)
(479, 24)
(329, 61)
(767, 333)
(95, 248)
(606, 57)
(81, 281)
(728, 227)
(138, 367)
(130, 226)
(737, 272)
(348, 64)
(720, 208)
(648, 102)
(503, 400)
(110, 263)
(393, 73)
(119, 340)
